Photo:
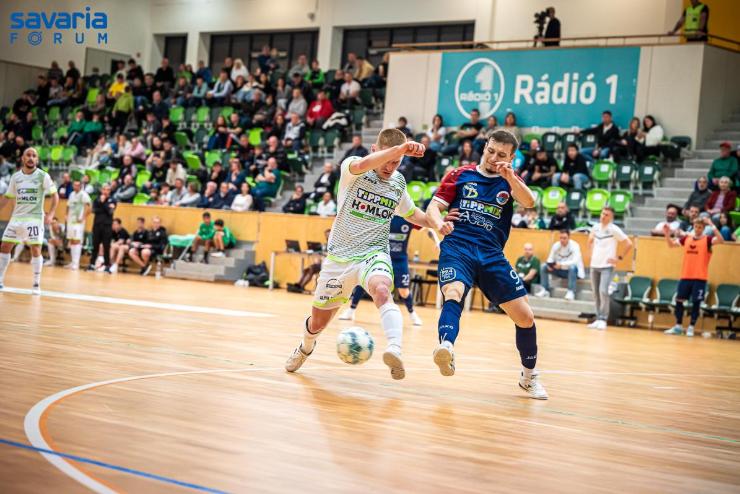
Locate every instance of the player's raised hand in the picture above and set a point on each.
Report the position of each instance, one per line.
(413, 149)
(504, 169)
(452, 215)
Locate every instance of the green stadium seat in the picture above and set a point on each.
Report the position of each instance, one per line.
(725, 300)
(60, 134)
(192, 160)
(56, 154)
(142, 177)
(54, 115)
(620, 200)
(366, 97)
(182, 141)
(255, 136)
(358, 117)
(550, 141)
(430, 190)
(638, 292)
(203, 115)
(177, 115)
(76, 174)
(226, 111)
(568, 138)
(551, 197)
(314, 140)
(104, 176)
(331, 137)
(602, 173)
(416, 190)
(214, 113)
(94, 175)
(575, 199)
(43, 154)
(665, 292)
(37, 133)
(68, 154)
(538, 192)
(141, 199)
(596, 199)
(92, 95)
(648, 176)
(624, 175)
(212, 157)
(588, 140)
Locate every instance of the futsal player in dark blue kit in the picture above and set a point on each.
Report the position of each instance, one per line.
(473, 252)
(399, 243)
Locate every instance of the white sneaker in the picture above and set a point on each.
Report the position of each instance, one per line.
(602, 325)
(415, 319)
(296, 359)
(593, 325)
(392, 358)
(48, 264)
(100, 269)
(444, 357)
(532, 386)
(36, 290)
(541, 293)
(690, 331)
(677, 329)
(99, 261)
(70, 266)
(114, 269)
(348, 314)
(217, 254)
(569, 295)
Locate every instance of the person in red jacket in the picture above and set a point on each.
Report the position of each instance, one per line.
(319, 111)
(722, 200)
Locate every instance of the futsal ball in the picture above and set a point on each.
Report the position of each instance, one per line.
(355, 345)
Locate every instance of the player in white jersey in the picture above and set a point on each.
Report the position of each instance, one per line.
(78, 209)
(28, 187)
(371, 191)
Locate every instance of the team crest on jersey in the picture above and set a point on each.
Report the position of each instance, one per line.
(470, 190)
(447, 274)
(502, 197)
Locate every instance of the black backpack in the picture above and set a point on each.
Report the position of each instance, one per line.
(257, 274)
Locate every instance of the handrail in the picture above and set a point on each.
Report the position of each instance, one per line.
(572, 41)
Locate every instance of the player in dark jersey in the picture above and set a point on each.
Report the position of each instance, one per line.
(399, 243)
(473, 253)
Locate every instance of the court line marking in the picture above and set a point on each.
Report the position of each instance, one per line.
(110, 466)
(141, 303)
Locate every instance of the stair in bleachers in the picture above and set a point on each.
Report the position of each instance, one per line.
(556, 307)
(228, 268)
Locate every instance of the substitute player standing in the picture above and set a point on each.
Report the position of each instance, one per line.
(28, 187)
(473, 254)
(78, 209)
(371, 191)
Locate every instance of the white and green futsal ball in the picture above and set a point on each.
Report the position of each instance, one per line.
(355, 345)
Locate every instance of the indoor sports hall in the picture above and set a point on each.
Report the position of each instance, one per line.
(496, 241)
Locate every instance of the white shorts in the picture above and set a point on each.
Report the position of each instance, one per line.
(338, 279)
(24, 231)
(75, 231)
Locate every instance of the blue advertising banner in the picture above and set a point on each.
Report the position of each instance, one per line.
(545, 88)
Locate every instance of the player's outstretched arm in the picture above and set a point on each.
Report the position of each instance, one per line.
(377, 159)
(519, 190)
(434, 217)
(672, 242)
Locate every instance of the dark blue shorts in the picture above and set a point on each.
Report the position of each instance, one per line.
(488, 270)
(693, 290)
(401, 277)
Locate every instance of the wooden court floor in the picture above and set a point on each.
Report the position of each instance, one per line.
(143, 385)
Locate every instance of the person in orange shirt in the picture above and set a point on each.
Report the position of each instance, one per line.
(692, 286)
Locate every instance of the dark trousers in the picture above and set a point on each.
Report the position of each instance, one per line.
(101, 235)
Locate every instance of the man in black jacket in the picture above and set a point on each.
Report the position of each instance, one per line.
(606, 134)
(562, 219)
(103, 209)
(297, 202)
(553, 28)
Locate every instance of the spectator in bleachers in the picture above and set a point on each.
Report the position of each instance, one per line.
(180, 92)
(235, 128)
(265, 112)
(101, 153)
(119, 244)
(470, 129)
(695, 21)
(98, 106)
(528, 267)
(652, 134)
(120, 68)
(224, 197)
(574, 172)
(297, 82)
(168, 130)
(204, 72)
(268, 181)
(197, 96)
(236, 175)
(528, 218)
(301, 66)
(220, 134)
(351, 64)
(238, 70)
(699, 196)
(244, 200)
(72, 71)
(122, 109)
(190, 199)
(217, 173)
(22, 106)
(725, 226)
(606, 134)
(364, 70)
(541, 170)
(724, 166)
(325, 183)
(178, 191)
(687, 226)
(349, 93)
(562, 219)
(75, 130)
(91, 131)
(221, 92)
(437, 133)
(564, 261)
(423, 167)
(334, 87)
(282, 93)
(297, 103)
(671, 219)
(295, 132)
(722, 200)
(56, 95)
(65, 186)
(159, 107)
(511, 125)
(136, 150)
(316, 76)
(134, 71)
(357, 149)
(242, 90)
(297, 202)
(266, 61)
(319, 110)
(327, 206)
(278, 126)
(126, 192)
(162, 196)
(223, 238)
(164, 78)
(468, 156)
(603, 242)
(156, 166)
(151, 130)
(116, 88)
(276, 150)
(631, 144)
(208, 196)
(403, 126)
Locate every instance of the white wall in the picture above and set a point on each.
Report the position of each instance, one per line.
(719, 90)
(128, 31)
(14, 79)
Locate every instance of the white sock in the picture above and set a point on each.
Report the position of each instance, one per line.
(76, 251)
(18, 251)
(37, 263)
(52, 254)
(527, 372)
(309, 339)
(4, 262)
(391, 321)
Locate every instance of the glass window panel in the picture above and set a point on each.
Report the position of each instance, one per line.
(240, 47)
(219, 51)
(427, 34)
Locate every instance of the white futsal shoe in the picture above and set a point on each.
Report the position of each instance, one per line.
(677, 329)
(570, 296)
(348, 314)
(296, 359)
(690, 330)
(532, 386)
(415, 319)
(444, 357)
(36, 290)
(392, 358)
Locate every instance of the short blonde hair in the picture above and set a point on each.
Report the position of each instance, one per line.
(389, 138)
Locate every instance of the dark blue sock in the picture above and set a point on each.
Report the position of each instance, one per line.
(526, 343)
(356, 296)
(409, 301)
(449, 321)
(679, 312)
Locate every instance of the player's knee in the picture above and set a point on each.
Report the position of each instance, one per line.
(381, 294)
(454, 291)
(403, 292)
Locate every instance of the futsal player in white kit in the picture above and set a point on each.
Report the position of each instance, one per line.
(28, 188)
(371, 192)
(78, 209)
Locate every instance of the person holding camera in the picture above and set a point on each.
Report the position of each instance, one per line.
(552, 31)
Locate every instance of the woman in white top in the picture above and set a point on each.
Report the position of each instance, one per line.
(239, 70)
(437, 133)
(243, 202)
(603, 242)
(327, 206)
(653, 135)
